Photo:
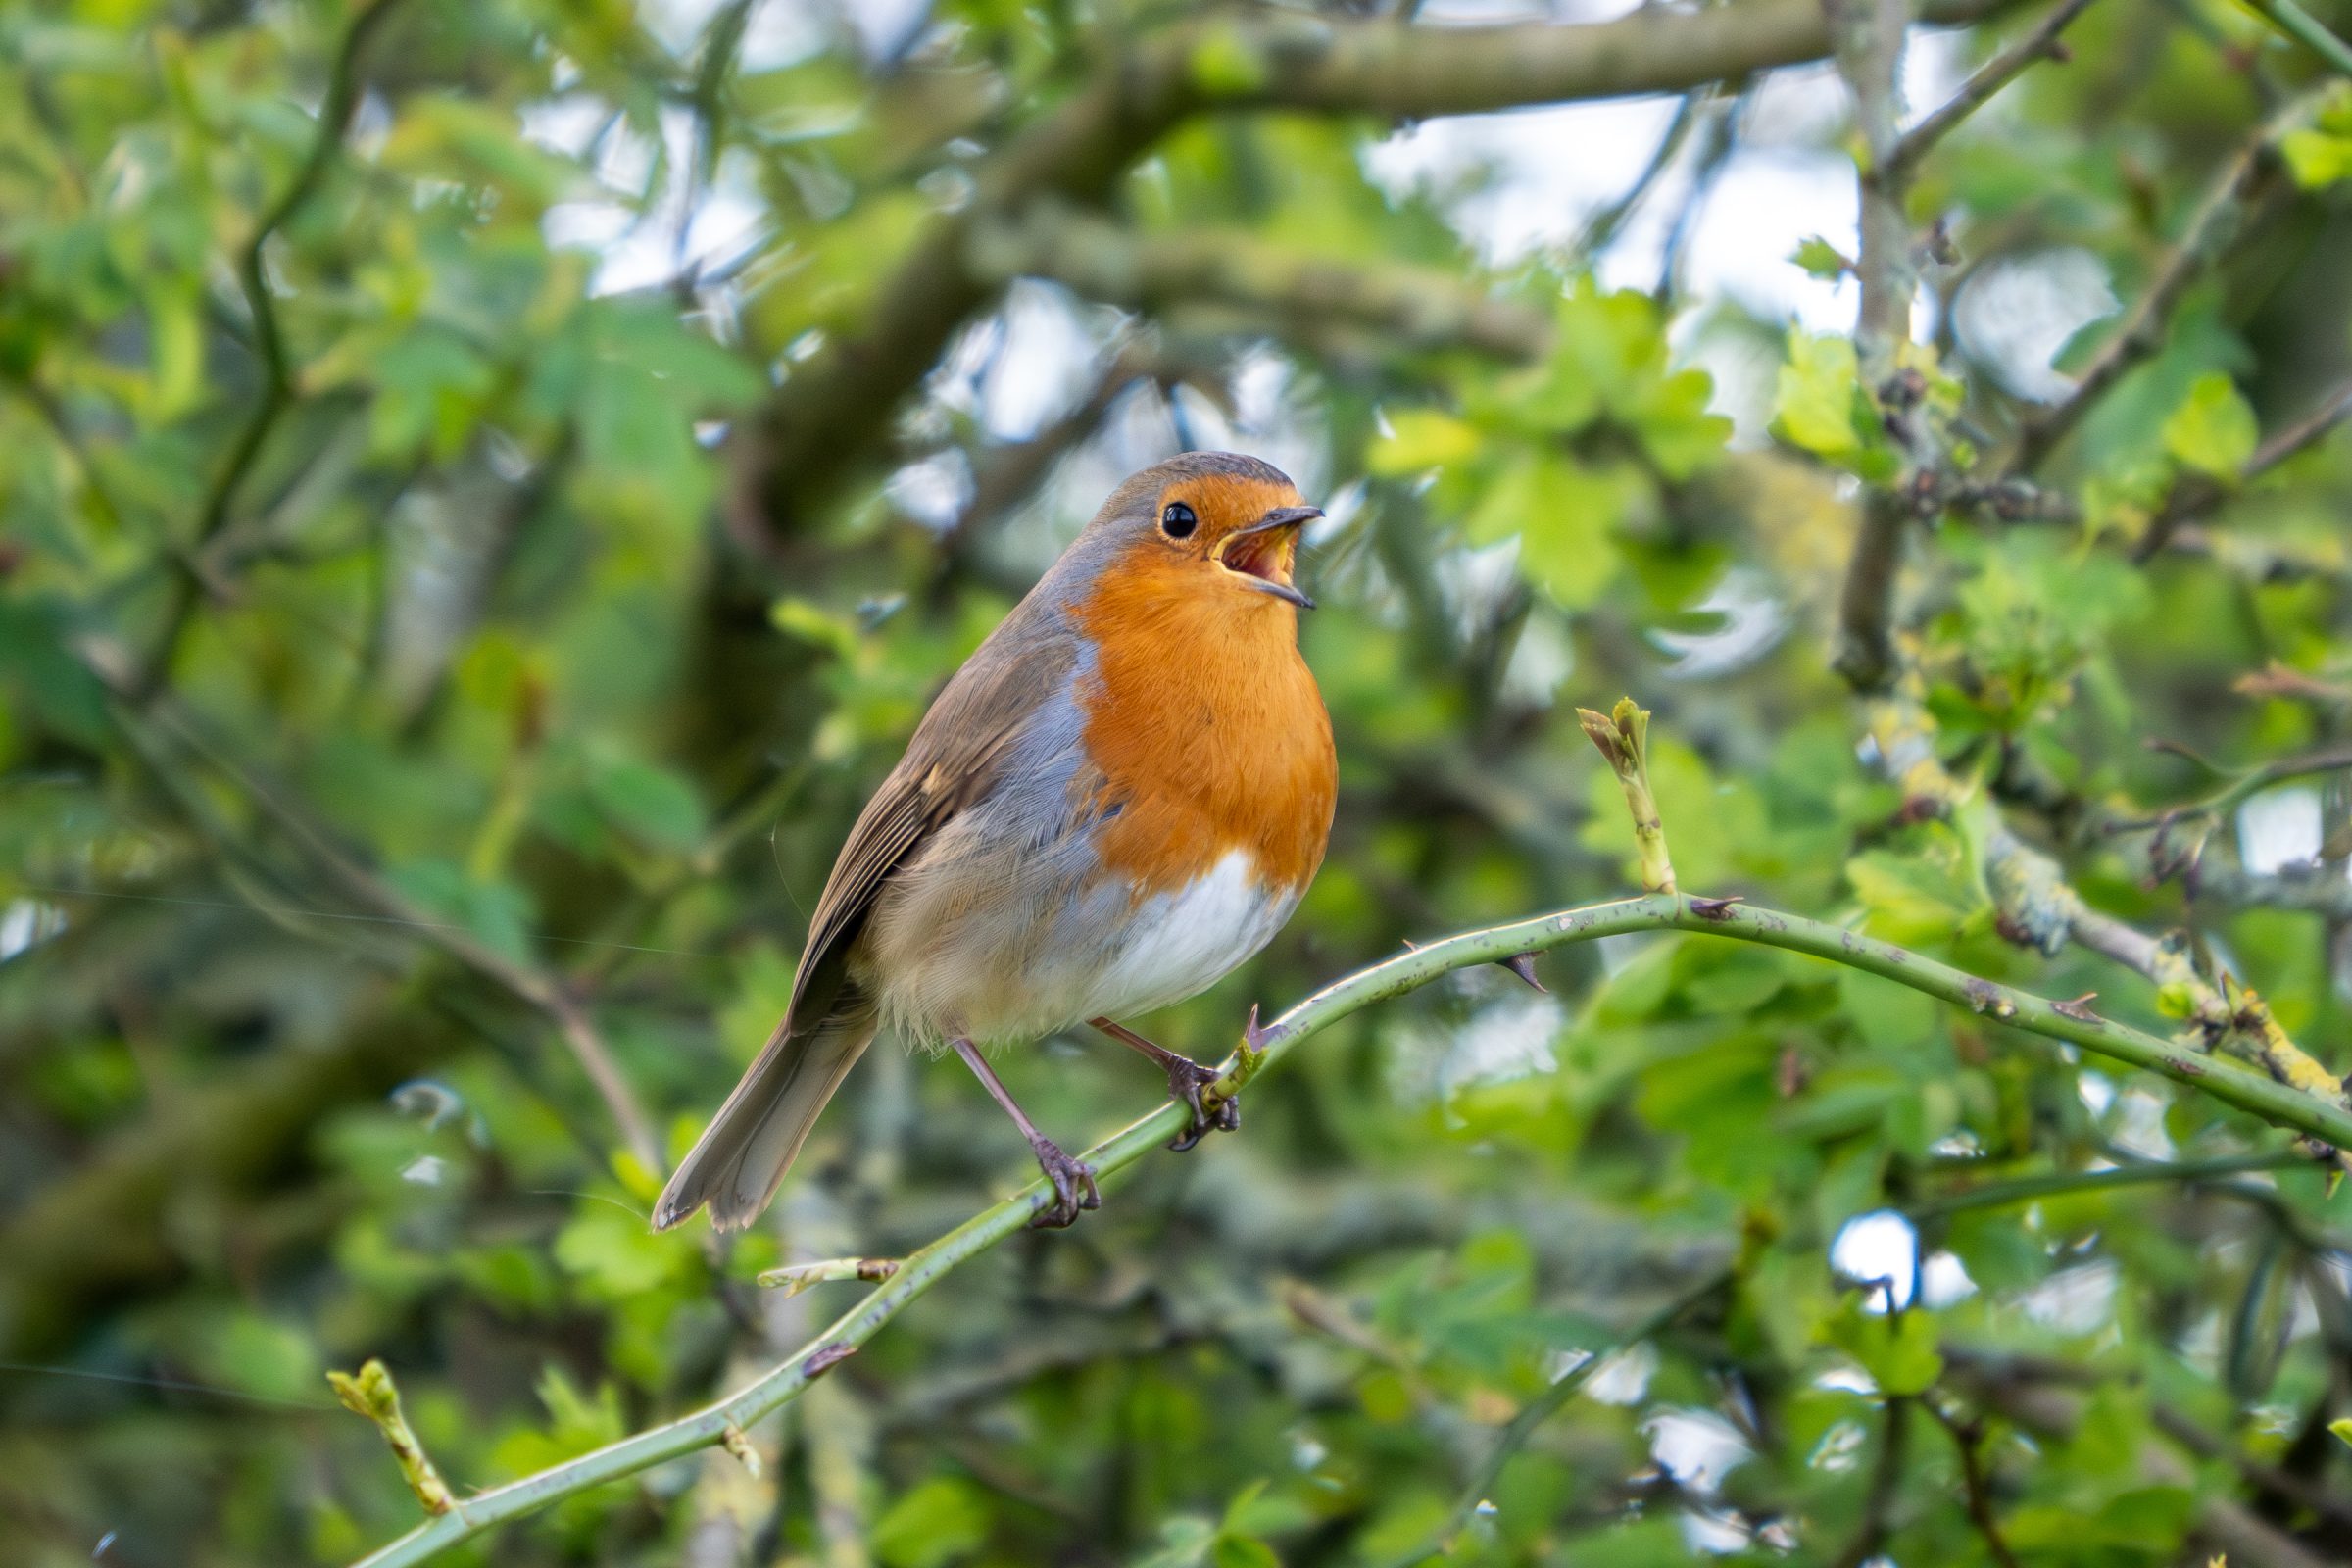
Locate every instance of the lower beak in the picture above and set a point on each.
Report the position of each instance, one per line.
(1261, 553)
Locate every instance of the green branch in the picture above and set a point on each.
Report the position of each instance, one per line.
(2220, 217)
(2066, 1021)
(334, 119)
(342, 101)
(2306, 30)
(2067, 1183)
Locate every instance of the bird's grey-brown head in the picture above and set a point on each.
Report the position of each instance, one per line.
(1232, 519)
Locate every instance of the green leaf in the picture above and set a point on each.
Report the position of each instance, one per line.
(1924, 894)
(1563, 514)
(1822, 259)
(1228, 63)
(1184, 1542)
(1896, 1349)
(1418, 439)
(1243, 1551)
(37, 670)
(498, 912)
(576, 1424)
(617, 1256)
(1677, 426)
(1818, 391)
(2317, 158)
(2213, 430)
(939, 1521)
(648, 802)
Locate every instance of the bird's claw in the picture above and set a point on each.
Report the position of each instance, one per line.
(1074, 1187)
(1187, 1078)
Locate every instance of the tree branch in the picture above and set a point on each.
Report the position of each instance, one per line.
(2195, 494)
(820, 423)
(95, 1232)
(1415, 307)
(133, 712)
(2319, 891)
(2039, 908)
(1886, 1486)
(2301, 1490)
(1968, 1438)
(2029, 1188)
(2212, 227)
(2306, 30)
(268, 342)
(1869, 40)
(2041, 43)
(2275, 1103)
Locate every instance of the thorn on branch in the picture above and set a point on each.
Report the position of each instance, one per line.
(372, 1394)
(1622, 736)
(826, 1357)
(2078, 1008)
(1715, 908)
(1523, 964)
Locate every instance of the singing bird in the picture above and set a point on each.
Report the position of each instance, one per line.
(1118, 798)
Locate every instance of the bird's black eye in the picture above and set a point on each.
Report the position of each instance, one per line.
(1178, 521)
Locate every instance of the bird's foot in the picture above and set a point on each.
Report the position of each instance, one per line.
(1074, 1187)
(1186, 1081)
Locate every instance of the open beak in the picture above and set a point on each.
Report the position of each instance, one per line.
(1265, 552)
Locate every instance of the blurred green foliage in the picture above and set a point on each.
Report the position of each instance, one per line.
(509, 706)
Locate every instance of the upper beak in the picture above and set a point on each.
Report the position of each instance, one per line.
(1274, 522)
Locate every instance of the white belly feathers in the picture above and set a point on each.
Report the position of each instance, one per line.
(954, 970)
(1178, 943)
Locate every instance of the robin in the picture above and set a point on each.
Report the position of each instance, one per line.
(1119, 798)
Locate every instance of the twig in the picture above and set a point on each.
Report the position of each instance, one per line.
(2194, 493)
(2039, 1394)
(1968, 1438)
(2039, 908)
(1599, 230)
(1541, 1408)
(2250, 1092)
(1623, 739)
(1886, 1486)
(2212, 226)
(2041, 43)
(2029, 1188)
(2301, 1490)
(2306, 30)
(372, 1394)
(334, 120)
(2322, 892)
(526, 981)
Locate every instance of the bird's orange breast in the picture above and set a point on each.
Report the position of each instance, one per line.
(1205, 725)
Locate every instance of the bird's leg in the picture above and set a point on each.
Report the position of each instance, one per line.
(1073, 1179)
(1187, 1078)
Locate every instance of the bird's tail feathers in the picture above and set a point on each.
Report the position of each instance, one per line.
(740, 1158)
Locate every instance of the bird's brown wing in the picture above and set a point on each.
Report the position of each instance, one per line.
(956, 755)
(953, 760)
